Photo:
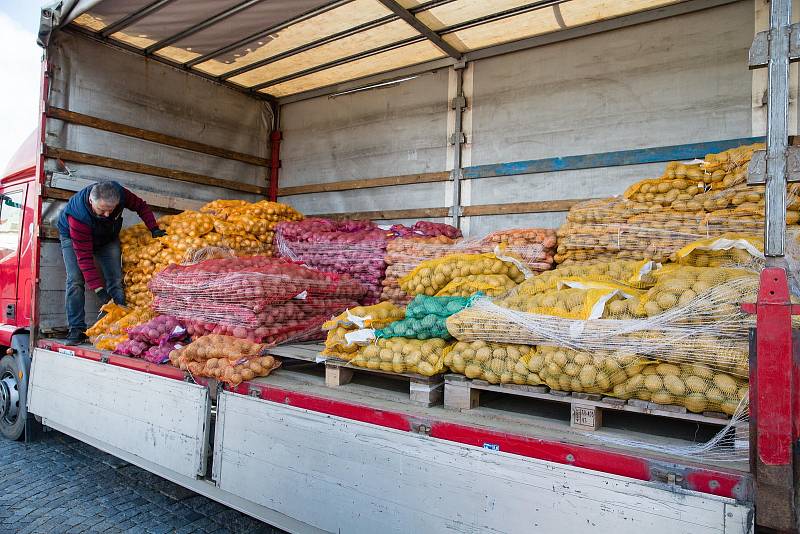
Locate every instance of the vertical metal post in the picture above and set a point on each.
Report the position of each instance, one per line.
(777, 127)
(458, 140)
(275, 154)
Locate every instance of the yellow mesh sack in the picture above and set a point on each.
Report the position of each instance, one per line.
(631, 273)
(497, 363)
(728, 249)
(679, 285)
(430, 276)
(490, 284)
(401, 355)
(107, 333)
(376, 316)
(574, 298)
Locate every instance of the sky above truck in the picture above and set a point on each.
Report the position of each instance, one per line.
(20, 67)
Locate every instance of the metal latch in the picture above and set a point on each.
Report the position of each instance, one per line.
(670, 477)
(422, 429)
(759, 50)
(757, 168)
(11, 311)
(254, 392)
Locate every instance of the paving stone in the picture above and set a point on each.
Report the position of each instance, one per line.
(58, 485)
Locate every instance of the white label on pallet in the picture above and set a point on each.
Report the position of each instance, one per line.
(583, 416)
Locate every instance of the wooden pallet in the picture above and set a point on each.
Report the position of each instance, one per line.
(424, 390)
(586, 410)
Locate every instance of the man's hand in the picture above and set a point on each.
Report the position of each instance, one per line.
(157, 232)
(103, 295)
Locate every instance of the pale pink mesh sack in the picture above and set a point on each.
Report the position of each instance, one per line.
(354, 248)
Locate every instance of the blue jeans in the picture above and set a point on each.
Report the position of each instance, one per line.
(109, 259)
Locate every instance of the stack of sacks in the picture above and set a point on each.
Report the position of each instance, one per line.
(244, 228)
(261, 299)
(357, 248)
(670, 335)
(224, 358)
(655, 218)
(535, 247)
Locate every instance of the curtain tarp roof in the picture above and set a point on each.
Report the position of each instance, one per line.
(285, 47)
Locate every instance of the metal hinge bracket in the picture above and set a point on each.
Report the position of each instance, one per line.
(759, 50)
(459, 102)
(757, 168)
(458, 138)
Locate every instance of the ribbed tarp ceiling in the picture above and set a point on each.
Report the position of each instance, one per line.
(285, 47)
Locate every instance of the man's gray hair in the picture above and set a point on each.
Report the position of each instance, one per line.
(105, 192)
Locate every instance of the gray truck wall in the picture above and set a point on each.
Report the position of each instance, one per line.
(101, 81)
(390, 131)
(674, 81)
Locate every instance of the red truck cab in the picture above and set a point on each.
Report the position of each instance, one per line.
(18, 197)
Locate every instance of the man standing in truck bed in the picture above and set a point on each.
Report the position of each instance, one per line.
(89, 227)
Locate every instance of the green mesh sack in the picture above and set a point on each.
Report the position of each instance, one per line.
(423, 305)
(426, 318)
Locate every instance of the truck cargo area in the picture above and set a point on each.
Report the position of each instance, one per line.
(484, 115)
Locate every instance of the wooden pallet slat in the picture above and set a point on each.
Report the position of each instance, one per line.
(424, 390)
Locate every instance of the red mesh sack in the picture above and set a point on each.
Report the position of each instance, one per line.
(260, 299)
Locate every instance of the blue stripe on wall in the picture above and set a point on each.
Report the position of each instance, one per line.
(608, 159)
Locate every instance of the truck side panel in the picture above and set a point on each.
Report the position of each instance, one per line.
(160, 420)
(346, 476)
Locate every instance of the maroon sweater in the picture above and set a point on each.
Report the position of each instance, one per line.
(83, 240)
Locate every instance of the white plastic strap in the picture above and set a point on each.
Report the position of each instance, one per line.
(521, 266)
(360, 337)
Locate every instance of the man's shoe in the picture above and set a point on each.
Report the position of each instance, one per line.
(75, 337)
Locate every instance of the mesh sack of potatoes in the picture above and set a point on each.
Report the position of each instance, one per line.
(225, 358)
(729, 249)
(353, 247)
(261, 299)
(401, 355)
(497, 363)
(425, 318)
(576, 298)
(709, 290)
(375, 317)
(697, 387)
(431, 276)
(488, 284)
(633, 273)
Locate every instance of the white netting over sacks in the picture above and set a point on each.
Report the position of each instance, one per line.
(683, 341)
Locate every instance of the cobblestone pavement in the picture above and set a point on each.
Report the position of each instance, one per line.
(58, 484)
